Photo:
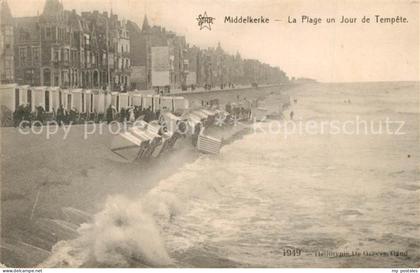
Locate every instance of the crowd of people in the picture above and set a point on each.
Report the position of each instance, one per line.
(238, 111)
(132, 113)
(64, 116)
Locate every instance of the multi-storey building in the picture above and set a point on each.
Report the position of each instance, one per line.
(121, 44)
(7, 63)
(94, 50)
(62, 48)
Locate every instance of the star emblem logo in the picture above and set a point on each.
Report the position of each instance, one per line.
(235, 120)
(220, 120)
(205, 21)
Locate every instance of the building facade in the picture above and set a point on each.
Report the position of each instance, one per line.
(99, 51)
(63, 48)
(7, 62)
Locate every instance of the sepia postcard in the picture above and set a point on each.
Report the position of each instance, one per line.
(209, 134)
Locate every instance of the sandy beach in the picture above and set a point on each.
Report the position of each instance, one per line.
(40, 177)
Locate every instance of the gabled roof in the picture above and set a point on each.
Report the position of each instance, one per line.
(27, 26)
(52, 8)
(145, 26)
(74, 20)
(5, 14)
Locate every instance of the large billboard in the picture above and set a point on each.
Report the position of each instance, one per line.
(160, 66)
(191, 78)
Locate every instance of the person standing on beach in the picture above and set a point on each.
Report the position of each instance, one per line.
(109, 114)
(131, 115)
(291, 115)
(60, 115)
(27, 114)
(40, 114)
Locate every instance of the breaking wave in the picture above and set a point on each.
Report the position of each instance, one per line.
(127, 232)
(123, 234)
(261, 194)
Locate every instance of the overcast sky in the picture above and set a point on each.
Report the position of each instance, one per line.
(327, 52)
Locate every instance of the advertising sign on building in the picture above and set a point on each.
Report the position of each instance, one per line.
(191, 78)
(160, 66)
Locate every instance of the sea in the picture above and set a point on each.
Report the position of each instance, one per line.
(327, 196)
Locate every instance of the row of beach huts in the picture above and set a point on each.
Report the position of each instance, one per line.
(144, 140)
(83, 100)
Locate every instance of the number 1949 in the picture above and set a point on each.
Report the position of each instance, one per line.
(292, 252)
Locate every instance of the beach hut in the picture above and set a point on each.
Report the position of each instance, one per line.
(148, 101)
(203, 116)
(78, 100)
(211, 115)
(67, 99)
(208, 144)
(259, 114)
(194, 125)
(129, 145)
(136, 99)
(156, 102)
(107, 100)
(41, 96)
(144, 130)
(172, 122)
(157, 131)
(115, 100)
(10, 97)
(124, 100)
(24, 94)
(166, 103)
(98, 101)
(55, 97)
(89, 102)
(179, 104)
(152, 132)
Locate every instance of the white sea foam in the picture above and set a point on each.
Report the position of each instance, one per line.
(261, 194)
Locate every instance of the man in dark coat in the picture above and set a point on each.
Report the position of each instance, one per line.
(109, 114)
(40, 114)
(60, 115)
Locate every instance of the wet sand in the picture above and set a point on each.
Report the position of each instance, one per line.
(40, 177)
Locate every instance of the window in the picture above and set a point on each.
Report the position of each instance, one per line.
(88, 57)
(56, 79)
(29, 98)
(65, 78)
(22, 56)
(24, 35)
(55, 54)
(8, 64)
(17, 99)
(47, 101)
(47, 77)
(91, 102)
(83, 103)
(69, 102)
(29, 76)
(82, 57)
(66, 54)
(48, 32)
(35, 55)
